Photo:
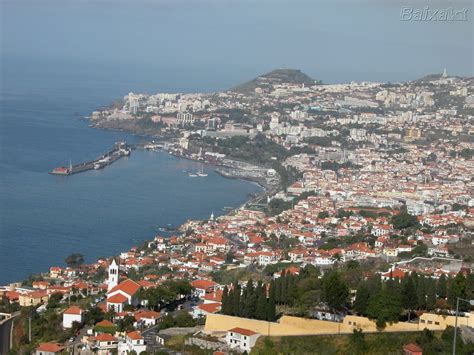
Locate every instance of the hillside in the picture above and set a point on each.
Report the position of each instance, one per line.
(291, 76)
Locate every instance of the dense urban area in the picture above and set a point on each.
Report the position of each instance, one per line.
(361, 242)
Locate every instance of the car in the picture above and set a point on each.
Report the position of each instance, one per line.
(72, 339)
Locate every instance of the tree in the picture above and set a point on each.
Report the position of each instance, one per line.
(430, 295)
(229, 258)
(271, 307)
(385, 306)
(261, 306)
(357, 343)
(323, 214)
(249, 300)
(93, 315)
(362, 299)
(225, 301)
(404, 220)
(335, 291)
(74, 260)
(184, 319)
(457, 288)
(54, 300)
(125, 324)
(236, 300)
(441, 287)
(409, 300)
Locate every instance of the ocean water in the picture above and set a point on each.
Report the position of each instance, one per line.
(44, 218)
(61, 59)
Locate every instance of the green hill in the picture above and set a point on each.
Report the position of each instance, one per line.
(277, 76)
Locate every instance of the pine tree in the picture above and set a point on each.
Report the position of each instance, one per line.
(271, 304)
(409, 300)
(225, 301)
(291, 290)
(261, 296)
(421, 293)
(236, 300)
(457, 289)
(362, 298)
(430, 294)
(442, 287)
(335, 291)
(284, 289)
(278, 290)
(470, 287)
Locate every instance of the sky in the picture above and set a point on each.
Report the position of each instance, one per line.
(215, 44)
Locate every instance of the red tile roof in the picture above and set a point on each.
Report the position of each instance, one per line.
(73, 310)
(203, 284)
(105, 323)
(135, 335)
(147, 314)
(118, 298)
(128, 286)
(210, 307)
(412, 347)
(50, 347)
(105, 337)
(242, 331)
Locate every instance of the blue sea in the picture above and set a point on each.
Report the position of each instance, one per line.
(62, 59)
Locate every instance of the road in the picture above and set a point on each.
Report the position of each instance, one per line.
(5, 332)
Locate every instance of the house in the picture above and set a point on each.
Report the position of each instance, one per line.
(134, 342)
(147, 318)
(33, 298)
(215, 296)
(122, 294)
(49, 349)
(412, 349)
(71, 315)
(104, 343)
(393, 274)
(202, 287)
(204, 309)
(241, 339)
(296, 255)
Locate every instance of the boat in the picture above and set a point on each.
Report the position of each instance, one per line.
(201, 173)
(62, 170)
(192, 175)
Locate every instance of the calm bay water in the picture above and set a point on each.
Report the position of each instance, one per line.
(63, 58)
(98, 213)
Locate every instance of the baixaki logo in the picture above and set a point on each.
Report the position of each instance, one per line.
(427, 14)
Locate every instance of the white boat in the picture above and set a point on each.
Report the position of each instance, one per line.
(192, 175)
(201, 173)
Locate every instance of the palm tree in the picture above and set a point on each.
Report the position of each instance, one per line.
(336, 258)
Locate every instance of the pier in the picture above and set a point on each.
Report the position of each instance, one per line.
(119, 150)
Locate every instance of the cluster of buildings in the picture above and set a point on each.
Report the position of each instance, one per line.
(370, 150)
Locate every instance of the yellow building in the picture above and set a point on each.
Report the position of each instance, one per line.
(218, 324)
(32, 298)
(414, 133)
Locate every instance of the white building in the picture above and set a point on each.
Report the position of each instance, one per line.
(134, 341)
(71, 315)
(241, 339)
(113, 275)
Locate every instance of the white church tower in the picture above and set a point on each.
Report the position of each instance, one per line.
(113, 275)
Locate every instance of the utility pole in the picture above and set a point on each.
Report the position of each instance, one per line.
(455, 327)
(29, 328)
(471, 302)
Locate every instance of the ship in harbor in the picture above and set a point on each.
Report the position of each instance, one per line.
(119, 150)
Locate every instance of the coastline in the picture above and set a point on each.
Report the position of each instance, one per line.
(166, 234)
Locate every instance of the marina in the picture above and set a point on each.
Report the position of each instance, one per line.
(119, 150)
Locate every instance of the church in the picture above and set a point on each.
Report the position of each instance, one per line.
(120, 294)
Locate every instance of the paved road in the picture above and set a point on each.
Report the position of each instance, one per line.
(5, 331)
